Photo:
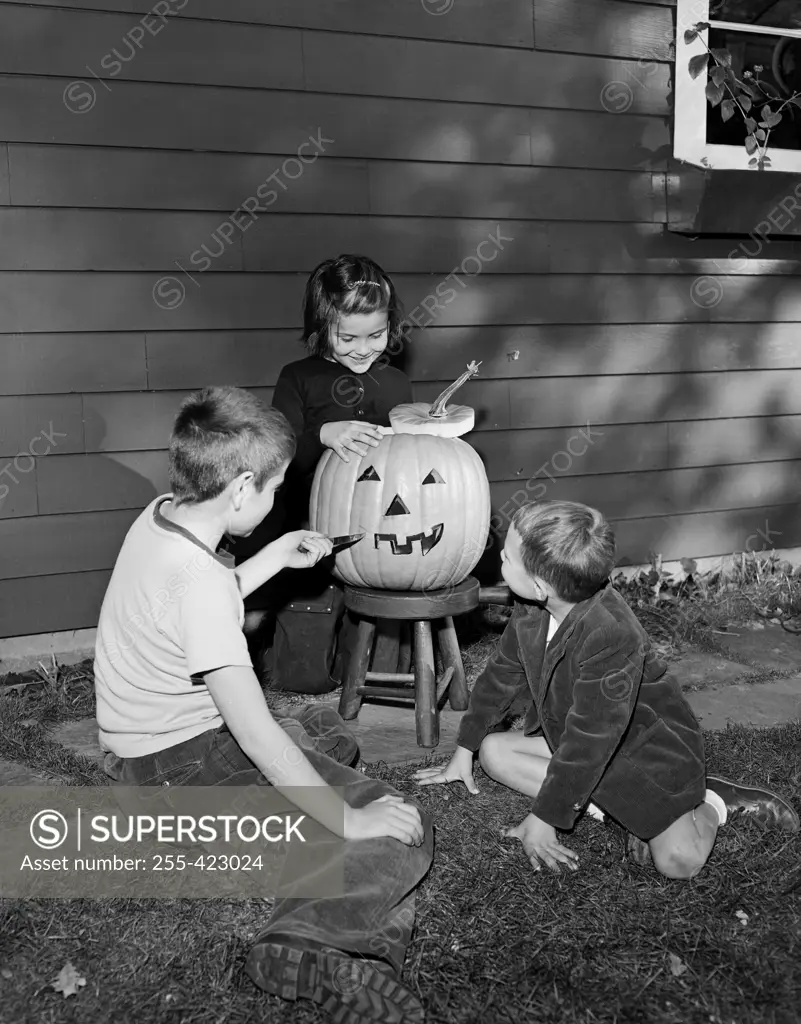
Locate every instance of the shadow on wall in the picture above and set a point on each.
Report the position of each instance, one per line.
(618, 279)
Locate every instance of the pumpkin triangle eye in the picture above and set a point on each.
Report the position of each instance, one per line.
(433, 478)
(368, 474)
(397, 507)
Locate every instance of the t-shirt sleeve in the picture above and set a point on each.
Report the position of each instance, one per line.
(211, 633)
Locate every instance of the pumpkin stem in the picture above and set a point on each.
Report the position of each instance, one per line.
(438, 408)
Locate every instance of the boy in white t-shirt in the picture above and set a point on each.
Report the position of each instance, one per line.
(178, 703)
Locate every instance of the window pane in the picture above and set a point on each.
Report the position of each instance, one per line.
(779, 79)
(775, 13)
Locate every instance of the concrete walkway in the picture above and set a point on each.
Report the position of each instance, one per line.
(720, 689)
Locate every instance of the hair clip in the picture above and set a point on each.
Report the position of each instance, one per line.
(372, 284)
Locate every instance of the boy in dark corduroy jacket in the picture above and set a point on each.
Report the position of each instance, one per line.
(607, 722)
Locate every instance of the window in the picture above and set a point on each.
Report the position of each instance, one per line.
(757, 33)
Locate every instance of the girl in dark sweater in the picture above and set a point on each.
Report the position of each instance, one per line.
(338, 395)
(335, 398)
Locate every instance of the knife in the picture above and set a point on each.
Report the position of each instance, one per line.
(346, 541)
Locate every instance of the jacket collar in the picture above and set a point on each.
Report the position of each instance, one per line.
(566, 629)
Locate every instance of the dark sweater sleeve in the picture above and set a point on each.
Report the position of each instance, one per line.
(502, 680)
(288, 398)
(604, 695)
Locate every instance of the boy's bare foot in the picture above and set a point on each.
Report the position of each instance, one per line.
(768, 808)
(352, 991)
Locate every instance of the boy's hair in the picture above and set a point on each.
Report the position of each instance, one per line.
(219, 433)
(343, 286)
(568, 545)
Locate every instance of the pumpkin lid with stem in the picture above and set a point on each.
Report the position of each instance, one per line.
(439, 418)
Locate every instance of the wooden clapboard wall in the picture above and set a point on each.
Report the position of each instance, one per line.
(550, 124)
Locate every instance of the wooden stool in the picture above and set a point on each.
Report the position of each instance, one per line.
(421, 685)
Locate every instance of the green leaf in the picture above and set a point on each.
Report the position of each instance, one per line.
(750, 125)
(701, 26)
(752, 90)
(760, 135)
(753, 162)
(718, 75)
(771, 120)
(750, 144)
(795, 100)
(714, 93)
(744, 101)
(698, 64)
(690, 35)
(722, 57)
(727, 109)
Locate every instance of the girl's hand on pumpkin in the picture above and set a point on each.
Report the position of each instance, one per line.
(350, 436)
(388, 816)
(458, 769)
(301, 549)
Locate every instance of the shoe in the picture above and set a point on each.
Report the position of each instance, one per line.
(769, 809)
(352, 991)
(638, 850)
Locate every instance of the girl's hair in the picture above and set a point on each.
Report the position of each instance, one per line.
(569, 545)
(220, 432)
(343, 286)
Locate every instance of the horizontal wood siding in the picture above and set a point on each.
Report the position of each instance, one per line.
(505, 23)
(44, 301)
(134, 114)
(45, 604)
(67, 43)
(101, 240)
(653, 375)
(150, 179)
(606, 27)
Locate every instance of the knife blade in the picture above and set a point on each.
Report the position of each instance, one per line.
(346, 541)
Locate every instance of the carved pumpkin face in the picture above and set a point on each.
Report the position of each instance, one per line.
(422, 502)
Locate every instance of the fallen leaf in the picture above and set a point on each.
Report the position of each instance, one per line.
(742, 917)
(68, 981)
(677, 965)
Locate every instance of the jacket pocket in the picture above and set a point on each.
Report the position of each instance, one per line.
(665, 757)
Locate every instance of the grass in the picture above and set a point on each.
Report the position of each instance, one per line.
(494, 941)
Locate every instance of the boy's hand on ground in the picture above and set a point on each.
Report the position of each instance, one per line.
(301, 549)
(541, 845)
(350, 436)
(458, 769)
(388, 816)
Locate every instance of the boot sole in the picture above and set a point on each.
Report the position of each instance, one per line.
(788, 818)
(351, 991)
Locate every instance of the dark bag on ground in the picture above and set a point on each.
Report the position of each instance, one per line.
(305, 640)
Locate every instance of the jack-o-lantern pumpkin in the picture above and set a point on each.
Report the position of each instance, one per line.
(421, 499)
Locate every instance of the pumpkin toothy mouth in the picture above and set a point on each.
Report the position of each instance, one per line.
(427, 540)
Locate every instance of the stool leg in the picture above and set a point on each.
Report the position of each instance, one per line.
(385, 648)
(452, 656)
(350, 701)
(405, 653)
(425, 687)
